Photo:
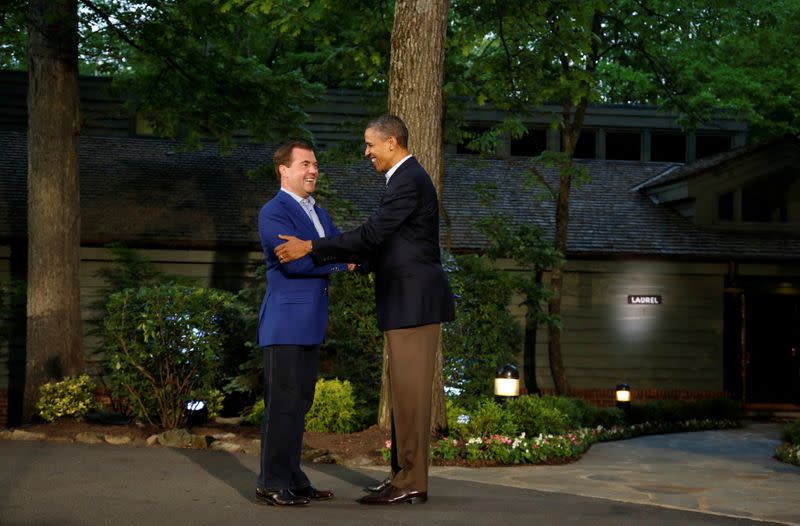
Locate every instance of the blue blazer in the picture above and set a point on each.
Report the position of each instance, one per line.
(295, 307)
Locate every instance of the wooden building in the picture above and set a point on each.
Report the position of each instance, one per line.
(683, 278)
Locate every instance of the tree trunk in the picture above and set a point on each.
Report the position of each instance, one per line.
(53, 342)
(416, 74)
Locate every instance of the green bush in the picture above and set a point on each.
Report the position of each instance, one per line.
(255, 414)
(536, 415)
(353, 348)
(73, 396)
(333, 410)
(791, 433)
(484, 334)
(490, 418)
(162, 344)
(605, 417)
(680, 411)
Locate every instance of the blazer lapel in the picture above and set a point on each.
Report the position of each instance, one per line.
(301, 216)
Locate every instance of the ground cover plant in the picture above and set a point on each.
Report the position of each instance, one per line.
(544, 429)
(789, 450)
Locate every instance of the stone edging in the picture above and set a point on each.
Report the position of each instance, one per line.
(182, 438)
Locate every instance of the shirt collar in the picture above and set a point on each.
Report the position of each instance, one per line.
(301, 200)
(394, 168)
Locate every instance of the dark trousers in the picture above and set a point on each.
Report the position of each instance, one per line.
(290, 375)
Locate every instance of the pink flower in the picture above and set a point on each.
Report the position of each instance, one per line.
(388, 444)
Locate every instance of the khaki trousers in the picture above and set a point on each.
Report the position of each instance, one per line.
(412, 355)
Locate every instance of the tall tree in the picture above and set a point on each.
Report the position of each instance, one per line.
(416, 73)
(53, 343)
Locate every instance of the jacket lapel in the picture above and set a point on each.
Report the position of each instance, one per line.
(301, 217)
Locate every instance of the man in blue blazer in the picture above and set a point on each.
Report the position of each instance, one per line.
(291, 326)
(412, 296)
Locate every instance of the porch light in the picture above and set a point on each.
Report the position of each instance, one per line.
(506, 382)
(623, 397)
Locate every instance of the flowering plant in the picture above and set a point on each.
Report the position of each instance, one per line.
(788, 453)
(552, 448)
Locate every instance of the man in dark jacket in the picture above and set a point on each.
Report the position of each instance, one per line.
(412, 296)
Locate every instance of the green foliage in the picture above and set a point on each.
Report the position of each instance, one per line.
(129, 269)
(546, 429)
(791, 432)
(677, 411)
(333, 410)
(536, 415)
(162, 344)
(353, 348)
(73, 397)
(255, 414)
(488, 418)
(484, 335)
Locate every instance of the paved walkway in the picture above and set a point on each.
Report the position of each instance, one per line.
(714, 477)
(729, 473)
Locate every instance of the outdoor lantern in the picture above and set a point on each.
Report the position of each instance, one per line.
(506, 383)
(623, 396)
(196, 412)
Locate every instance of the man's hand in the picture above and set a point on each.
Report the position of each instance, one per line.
(293, 249)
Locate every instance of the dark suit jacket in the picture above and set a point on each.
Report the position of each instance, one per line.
(295, 308)
(401, 239)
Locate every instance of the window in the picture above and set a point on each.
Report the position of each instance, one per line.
(623, 146)
(771, 199)
(668, 147)
(708, 145)
(533, 143)
(725, 204)
(470, 134)
(585, 149)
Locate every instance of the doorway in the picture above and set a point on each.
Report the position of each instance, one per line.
(771, 365)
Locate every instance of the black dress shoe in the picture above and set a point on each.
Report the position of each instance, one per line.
(395, 495)
(310, 492)
(283, 497)
(377, 488)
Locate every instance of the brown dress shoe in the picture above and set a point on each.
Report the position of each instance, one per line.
(310, 492)
(282, 497)
(377, 488)
(395, 495)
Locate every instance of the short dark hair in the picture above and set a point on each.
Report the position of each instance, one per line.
(283, 155)
(391, 126)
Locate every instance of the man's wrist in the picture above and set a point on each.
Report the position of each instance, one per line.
(309, 246)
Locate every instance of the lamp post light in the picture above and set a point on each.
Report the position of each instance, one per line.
(506, 383)
(623, 397)
(196, 413)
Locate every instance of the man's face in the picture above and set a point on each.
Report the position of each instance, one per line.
(300, 177)
(379, 149)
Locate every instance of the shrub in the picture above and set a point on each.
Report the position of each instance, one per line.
(484, 334)
(678, 411)
(538, 415)
(162, 343)
(605, 417)
(490, 418)
(333, 410)
(255, 414)
(353, 348)
(791, 433)
(73, 396)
